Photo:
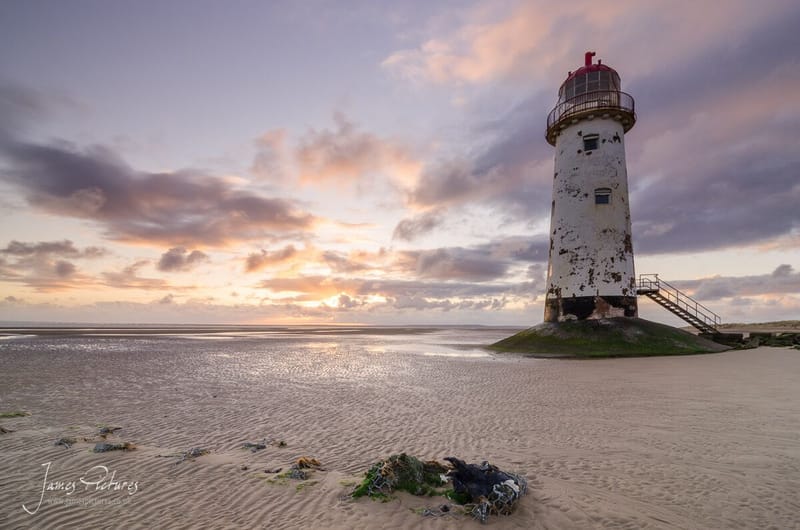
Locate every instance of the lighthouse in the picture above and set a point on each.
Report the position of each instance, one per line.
(590, 272)
(591, 284)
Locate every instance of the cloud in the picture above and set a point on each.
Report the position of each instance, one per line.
(64, 269)
(166, 310)
(443, 278)
(180, 259)
(480, 263)
(65, 248)
(42, 265)
(345, 302)
(783, 280)
(129, 278)
(167, 299)
(271, 156)
(532, 41)
(356, 261)
(257, 261)
(317, 287)
(422, 304)
(292, 259)
(715, 146)
(478, 51)
(346, 155)
(447, 183)
(711, 152)
(20, 107)
(458, 264)
(413, 227)
(181, 208)
(511, 171)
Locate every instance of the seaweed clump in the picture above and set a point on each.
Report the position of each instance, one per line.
(191, 454)
(14, 414)
(105, 430)
(66, 441)
(404, 473)
(297, 471)
(258, 446)
(302, 469)
(102, 447)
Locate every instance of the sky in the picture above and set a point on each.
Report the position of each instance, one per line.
(379, 162)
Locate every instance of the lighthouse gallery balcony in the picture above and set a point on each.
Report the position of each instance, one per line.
(612, 104)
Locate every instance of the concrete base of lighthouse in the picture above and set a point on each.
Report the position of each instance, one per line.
(589, 307)
(605, 337)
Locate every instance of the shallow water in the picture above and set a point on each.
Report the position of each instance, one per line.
(706, 441)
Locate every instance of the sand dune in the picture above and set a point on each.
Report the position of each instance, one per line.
(709, 441)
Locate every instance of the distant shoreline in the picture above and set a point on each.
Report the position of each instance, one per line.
(130, 330)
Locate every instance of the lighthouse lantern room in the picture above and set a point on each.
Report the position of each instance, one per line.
(590, 272)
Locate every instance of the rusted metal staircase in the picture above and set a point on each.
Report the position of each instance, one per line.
(679, 303)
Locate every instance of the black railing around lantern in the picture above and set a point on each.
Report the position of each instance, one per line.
(618, 105)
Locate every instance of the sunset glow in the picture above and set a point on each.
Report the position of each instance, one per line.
(200, 162)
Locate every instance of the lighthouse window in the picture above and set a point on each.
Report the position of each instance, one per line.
(594, 81)
(580, 85)
(602, 196)
(590, 142)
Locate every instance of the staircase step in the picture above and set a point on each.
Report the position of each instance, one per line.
(698, 319)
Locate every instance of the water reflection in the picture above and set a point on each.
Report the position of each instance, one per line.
(301, 358)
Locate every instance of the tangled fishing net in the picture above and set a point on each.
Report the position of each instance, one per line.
(490, 490)
(483, 489)
(401, 472)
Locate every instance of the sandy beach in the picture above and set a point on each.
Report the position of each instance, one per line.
(703, 441)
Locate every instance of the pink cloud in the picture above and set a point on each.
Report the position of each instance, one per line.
(347, 155)
(536, 39)
(257, 261)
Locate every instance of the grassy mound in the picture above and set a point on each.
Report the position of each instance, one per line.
(611, 337)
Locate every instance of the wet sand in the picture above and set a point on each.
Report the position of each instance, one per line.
(706, 441)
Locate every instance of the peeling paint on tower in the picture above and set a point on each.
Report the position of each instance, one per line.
(591, 272)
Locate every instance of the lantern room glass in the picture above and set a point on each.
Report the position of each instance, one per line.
(599, 80)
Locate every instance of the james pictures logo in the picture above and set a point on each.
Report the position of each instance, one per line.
(96, 478)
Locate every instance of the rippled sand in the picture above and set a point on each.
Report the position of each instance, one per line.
(709, 441)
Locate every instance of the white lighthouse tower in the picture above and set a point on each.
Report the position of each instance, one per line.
(590, 273)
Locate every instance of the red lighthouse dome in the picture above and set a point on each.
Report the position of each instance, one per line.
(592, 90)
(589, 78)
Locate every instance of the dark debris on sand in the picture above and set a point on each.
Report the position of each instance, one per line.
(483, 489)
(103, 447)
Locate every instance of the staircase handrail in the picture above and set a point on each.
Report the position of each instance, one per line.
(649, 282)
(652, 282)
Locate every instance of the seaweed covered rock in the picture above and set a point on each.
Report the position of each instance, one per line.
(302, 468)
(258, 446)
(776, 340)
(608, 337)
(105, 430)
(255, 446)
(490, 490)
(401, 472)
(66, 441)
